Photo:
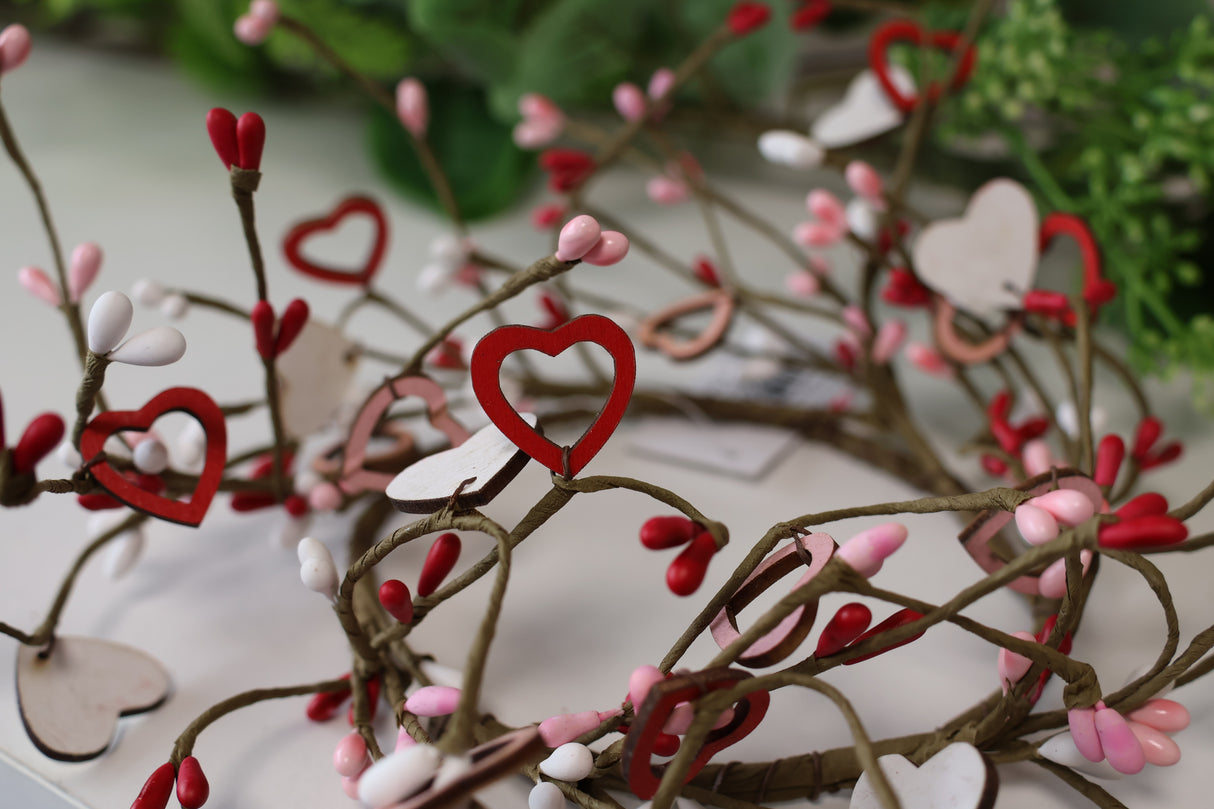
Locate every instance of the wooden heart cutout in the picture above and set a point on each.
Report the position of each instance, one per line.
(313, 377)
(1097, 290)
(71, 699)
(718, 300)
(986, 261)
(978, 534)
(494, 347)
(478, 469)
(783, 640)
(355, 475)
(748, 712)
(190, 401)
(350, 206)
(910, 32)
(957, 777)
(864, 112)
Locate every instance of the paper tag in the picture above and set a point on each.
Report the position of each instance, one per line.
(734, 378)
(731, 448)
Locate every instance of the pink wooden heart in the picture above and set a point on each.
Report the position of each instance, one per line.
(355, 476)
(491, 352)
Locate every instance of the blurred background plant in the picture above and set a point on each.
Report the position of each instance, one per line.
(1102, 106)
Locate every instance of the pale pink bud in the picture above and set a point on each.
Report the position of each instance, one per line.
(265, 10)
(817, 234)
(412, 106)
(252, 30)
(667, 191)
(611, 248)
(827, 208)
(928, 360)
(1013, 666)
(864, 180)
(85, 264)
(629, 101)
(39, 285)
(1037, 457)
(802, 283)
(15, 47)
(888, 340)
(867, 550)
(577, 237)
(855, 319)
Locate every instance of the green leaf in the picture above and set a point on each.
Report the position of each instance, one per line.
(476, 36)
(574, 52)
(376, 44)
(486, 170)
(755, 67)
(202, 42)
(1134, 20)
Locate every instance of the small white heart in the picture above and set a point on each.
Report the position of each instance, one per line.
(488, 457)
(985, 261)
(958, 777)
(864, 112)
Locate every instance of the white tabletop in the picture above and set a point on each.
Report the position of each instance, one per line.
(120, 146)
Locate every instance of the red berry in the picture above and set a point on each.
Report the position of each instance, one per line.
(846, 625)
(687, 571)
(900, 618)
(706, 271)
(39, 438)
(809, 15)
(157, 789)
(1109, 455)
(192, 787)
(1148, 531)
(323, 706)
(1149, 430)
(668, 531)
(666, 744)
(441, 559)
(746, 16)
(250, 140)
(394, 596)
(1145, 504)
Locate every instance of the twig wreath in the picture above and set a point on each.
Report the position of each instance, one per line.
(1072, 495)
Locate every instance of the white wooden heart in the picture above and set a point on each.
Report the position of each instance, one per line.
(314, 375)
(958, 777)
(71, 700)
(489, 458)
(985, 261)
(864, 112)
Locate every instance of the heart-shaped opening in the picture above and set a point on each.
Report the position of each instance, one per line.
(494, 349)
(349, 243)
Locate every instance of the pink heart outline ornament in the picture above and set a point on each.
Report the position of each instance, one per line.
(976, 536)
(71, 696)
(783, 640)
(355, 476)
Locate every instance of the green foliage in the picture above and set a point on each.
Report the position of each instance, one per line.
(480, 159)
(1128, 145)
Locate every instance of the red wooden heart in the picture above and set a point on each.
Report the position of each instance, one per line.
(190, 401)
(495, 346)
(907, 31)
(347, 207)
(748, 712)
(1097, 290)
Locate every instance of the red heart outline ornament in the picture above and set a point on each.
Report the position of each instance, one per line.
(291, 244)
(494, 347)
(355, 476)
(1097, 290)
(908, 31)
(748, 712)
(193, 403)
